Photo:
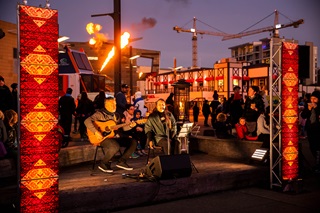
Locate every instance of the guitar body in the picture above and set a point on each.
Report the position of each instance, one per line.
(106, 129)
(103, 128)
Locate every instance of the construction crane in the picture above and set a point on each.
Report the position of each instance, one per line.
(195, 33)
(274, 29)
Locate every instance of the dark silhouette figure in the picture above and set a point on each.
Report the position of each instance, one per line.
(67, 107)
(214, 105)
(84, 110)
(170, 103)
(195, 112)
(206, 112)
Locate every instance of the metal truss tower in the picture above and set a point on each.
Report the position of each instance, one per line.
(275, 89)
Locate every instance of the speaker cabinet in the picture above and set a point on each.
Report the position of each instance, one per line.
(170, 166)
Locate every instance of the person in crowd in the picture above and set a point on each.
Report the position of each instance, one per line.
(14, 93)
(67, 108)
(235, 105)
(111, 145)
(11, 144)
(76, 116)
(99, 100)
(139, 133)
(263, 127)
(223, 128)
(3, 135)
(170, 103)
(302, 121)
(161, 129)
(312, 114)
(252, 109)
(214, 105)
(263, 94)
(6, 99)
(195, 112)
(139, 103)
(206, 112)
(129, 132)
(121, 99)
(84, 110)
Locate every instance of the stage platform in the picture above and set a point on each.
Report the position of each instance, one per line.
(84, 190)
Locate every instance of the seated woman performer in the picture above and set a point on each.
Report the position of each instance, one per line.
(160, 125)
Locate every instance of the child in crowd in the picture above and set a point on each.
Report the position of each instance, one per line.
(242, 130)
(139, 133)
(223, 128)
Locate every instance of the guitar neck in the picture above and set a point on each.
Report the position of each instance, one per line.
(119, 126)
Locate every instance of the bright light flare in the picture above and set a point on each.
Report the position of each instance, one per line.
(92, 41)
(140, 74)
(93, 28)
(124, 42)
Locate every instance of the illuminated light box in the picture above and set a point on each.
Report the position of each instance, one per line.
(39, 145)
(289, 66)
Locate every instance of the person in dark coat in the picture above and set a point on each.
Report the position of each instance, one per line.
(235, 105)
(14, 93)
(5, 96)
(161, 124)
(312, 113)
(67, 108)
(99, 100)
(214, 105)
(253, 107)
(84, 110)
(195, 112)
(170, 103)
(121, 99)
(206, 112)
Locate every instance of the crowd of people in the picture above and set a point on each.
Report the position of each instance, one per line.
(131, 126)
(8, 120)
(250, 117)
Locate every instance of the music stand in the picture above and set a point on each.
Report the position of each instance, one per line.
(184, 136)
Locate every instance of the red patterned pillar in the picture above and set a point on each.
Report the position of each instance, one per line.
(39, 146)
(290, 137)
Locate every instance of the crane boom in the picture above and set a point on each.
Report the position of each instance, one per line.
(195, 33)
(294, 24)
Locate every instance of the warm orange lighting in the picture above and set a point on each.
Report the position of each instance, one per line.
(92, 41)
(124, 42)
(93, 28)
(140, 74)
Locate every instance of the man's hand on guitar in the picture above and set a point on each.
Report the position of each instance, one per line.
(151, 145)
(98, 135)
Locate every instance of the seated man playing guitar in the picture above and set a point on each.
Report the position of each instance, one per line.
(100, 127)
(160, 125)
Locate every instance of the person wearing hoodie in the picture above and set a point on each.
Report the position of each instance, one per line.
(139, 104)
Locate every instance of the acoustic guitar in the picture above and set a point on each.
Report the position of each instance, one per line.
(107, 128)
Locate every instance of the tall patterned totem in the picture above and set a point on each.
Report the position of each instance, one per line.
(290, 137)
(39, 145)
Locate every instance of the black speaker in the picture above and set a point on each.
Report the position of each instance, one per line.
(170, 166)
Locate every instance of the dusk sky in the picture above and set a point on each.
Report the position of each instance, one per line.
(229, 16)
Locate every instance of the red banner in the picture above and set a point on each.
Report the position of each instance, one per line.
(39, 145)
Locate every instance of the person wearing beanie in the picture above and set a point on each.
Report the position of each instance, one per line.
(312, 114)
(139, 104)
(6, 98)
